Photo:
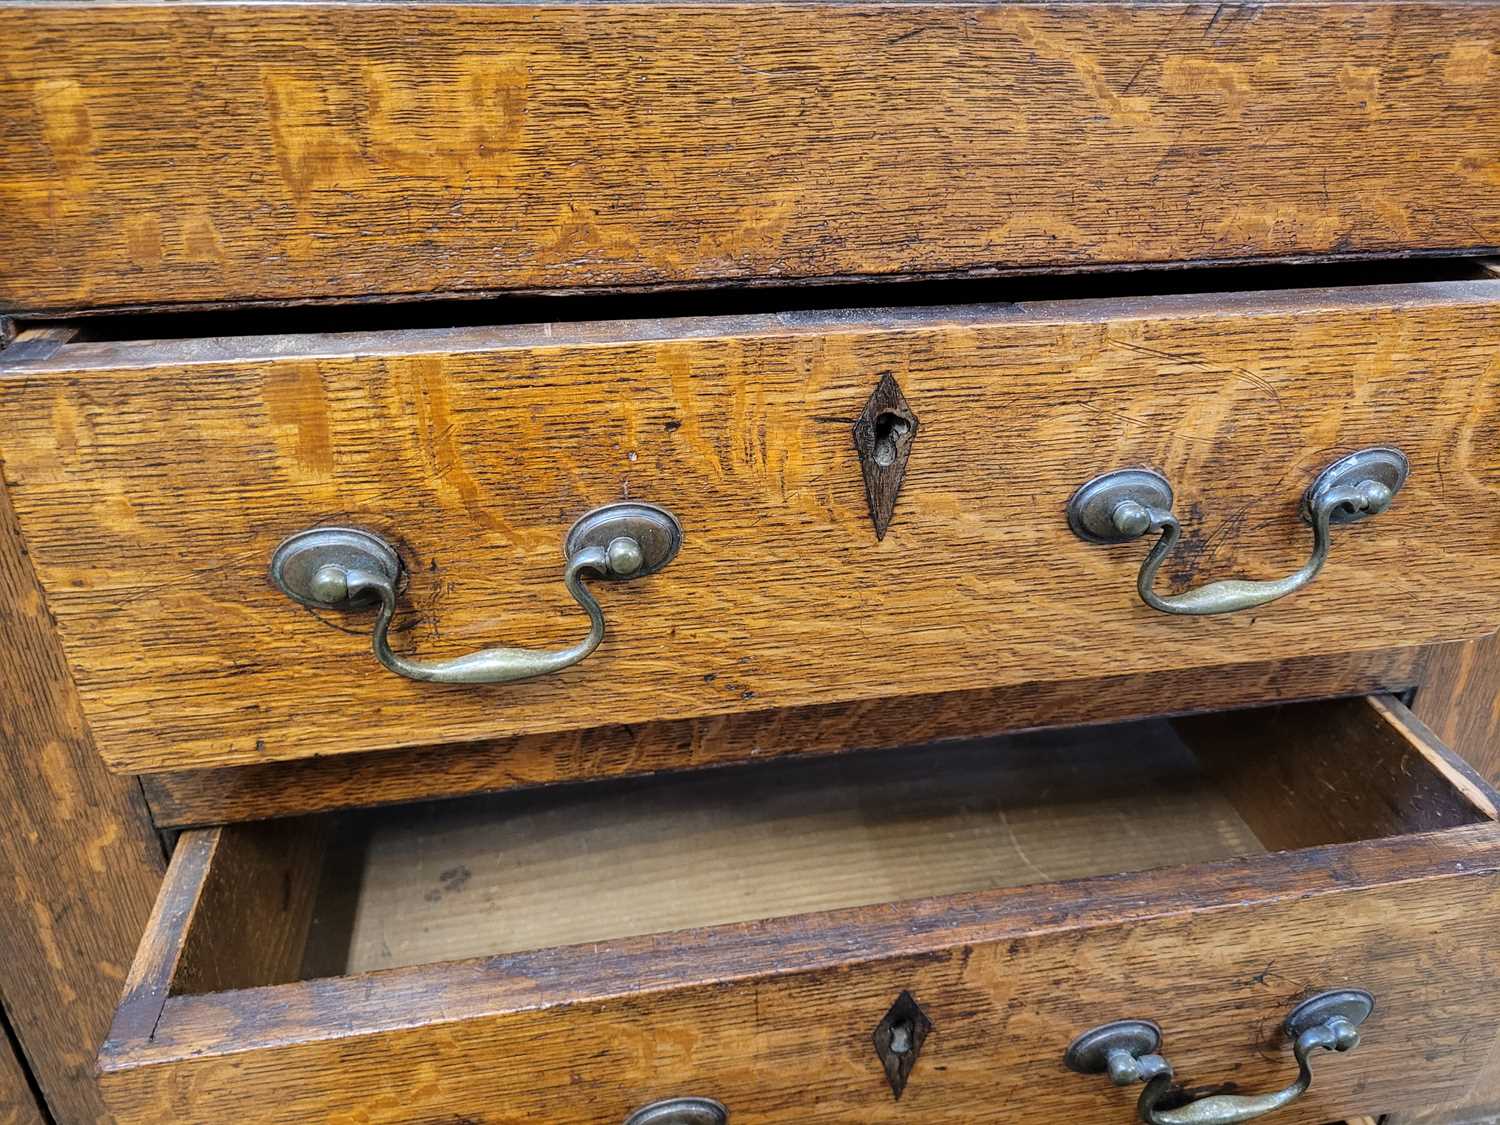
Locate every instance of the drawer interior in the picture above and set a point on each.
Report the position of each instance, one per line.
(592, 863)
(561, 866)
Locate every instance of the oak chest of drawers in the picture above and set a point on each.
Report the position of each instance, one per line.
(435, 434)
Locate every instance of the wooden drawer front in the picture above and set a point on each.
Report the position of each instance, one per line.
(211, 152)
(304, 970)
(153, 483)
(476, 449)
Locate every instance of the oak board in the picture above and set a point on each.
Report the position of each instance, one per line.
(153, 481)
(18, 1101)
(194, 798)
(79, 859)
(577, 864)
(163, 154)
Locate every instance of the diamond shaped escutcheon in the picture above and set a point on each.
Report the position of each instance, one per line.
(883, 435)
(898, 1040)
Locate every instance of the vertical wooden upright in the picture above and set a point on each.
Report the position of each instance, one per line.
(1460, 700)
(80, 861)
(18, 1104)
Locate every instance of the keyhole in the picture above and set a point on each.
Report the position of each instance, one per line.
(901, 1037)
(890, 428)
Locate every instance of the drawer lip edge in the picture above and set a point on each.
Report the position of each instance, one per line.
(191, 1027)
(94, 358)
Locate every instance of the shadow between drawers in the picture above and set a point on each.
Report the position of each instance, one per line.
(198, 797)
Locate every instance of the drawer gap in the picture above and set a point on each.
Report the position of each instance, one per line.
(210, 328)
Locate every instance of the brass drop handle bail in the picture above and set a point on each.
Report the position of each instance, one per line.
(348, 568)
(1126, 1051)
(1129, 503)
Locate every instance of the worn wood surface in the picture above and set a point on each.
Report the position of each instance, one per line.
(34, 343)
(568, 866)
(233, 912)
(208, 152)
(775, 1017)
(79, 861)
(204, 797)
(166, 934)
(18, 1104)
(1460, 699)
(475, 449)
(1376, 770)
(235, 793)
(259, 896)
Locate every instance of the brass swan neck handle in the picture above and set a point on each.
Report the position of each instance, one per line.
(499, 665)
(1126, 1051)
(1129, 503)
(346, 568)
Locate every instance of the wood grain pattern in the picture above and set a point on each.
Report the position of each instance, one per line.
(1435, 765)
(1460, 699)
(166, 934)
(234, 911)
(201, 152)
(775, 1017)
(475, 449)
(237, 793)
(1375, 768)
(79, 861)
(581, 864)
(260, 894)
(18, 1104)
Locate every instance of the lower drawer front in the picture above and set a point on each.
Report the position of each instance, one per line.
(570, 955)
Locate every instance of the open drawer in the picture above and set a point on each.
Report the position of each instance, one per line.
(796, 939)
(442, 471)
